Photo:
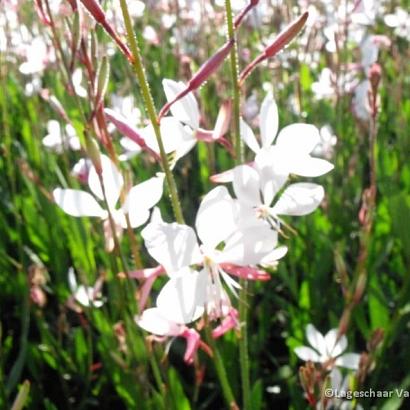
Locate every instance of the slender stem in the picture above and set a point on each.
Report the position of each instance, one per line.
(235, 83)
(238, 145)
(150, 107)
(221, 371)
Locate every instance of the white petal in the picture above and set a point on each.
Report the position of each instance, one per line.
(246, 185)
(308, 166)
(141, 198)
(186, 109)
(300, 138)
(316, 339)
(215, 220)
(112, 180)
(335, 349)
(152, 321)
(72, 281)
(349, 360)
(173, 136)
(174, 246)
(273, 172)
(306, 354)
(250, 245)
(269, 120)
(248, 136)
(129, 145)
(270, 260)
(182, 298)
(77, 203)
(299, 199)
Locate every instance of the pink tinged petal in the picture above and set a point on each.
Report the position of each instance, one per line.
(316, 340)
(249, 245)
(141, 198)
(154, 322)
(246, 185)
(223, 177)
(269, 120)
(310, 167)
(273, 172)
(307, 354)
(182, 299)
(298, 138)
(215, 220)
(112, 181)
(245, 272)
(335, 348)
(172, 245)
(349, 360)
(78, 203)
(229, 322)
(186, 109)
(248, 136)
(193, 340)
(299, 199)
(222, 121)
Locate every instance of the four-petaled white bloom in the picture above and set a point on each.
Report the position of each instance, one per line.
(139, 200)
(189, 292)
(58, 140)
(327, 349)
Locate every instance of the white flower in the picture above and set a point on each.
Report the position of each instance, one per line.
(88, 296)
(139, 200)
(176, 248)
(58, 140)
(77, 79)
(327, 349)
(400, 21)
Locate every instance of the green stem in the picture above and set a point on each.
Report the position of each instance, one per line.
(220, 370)
(150, 107)
(235, 85)
(243, 302)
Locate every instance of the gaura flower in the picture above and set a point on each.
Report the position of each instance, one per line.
(58, 140)
(327, 349)
(87, 296)
(152, 321)
(225, 249)
(138, 202)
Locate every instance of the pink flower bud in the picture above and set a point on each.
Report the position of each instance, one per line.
(204, 72)
(284, 38)
(128, 130)
(244, 12)
(97, 12)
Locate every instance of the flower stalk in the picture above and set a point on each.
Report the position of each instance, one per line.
(150, 107)
(238, 147)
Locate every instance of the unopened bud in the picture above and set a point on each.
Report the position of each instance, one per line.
(93, 153)
(360, 286)
(38, 4)
(244, 12)
(375, 340)
(103, 75)
(375, 74)
(98, 14)
(284, 38)
(204, 72)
